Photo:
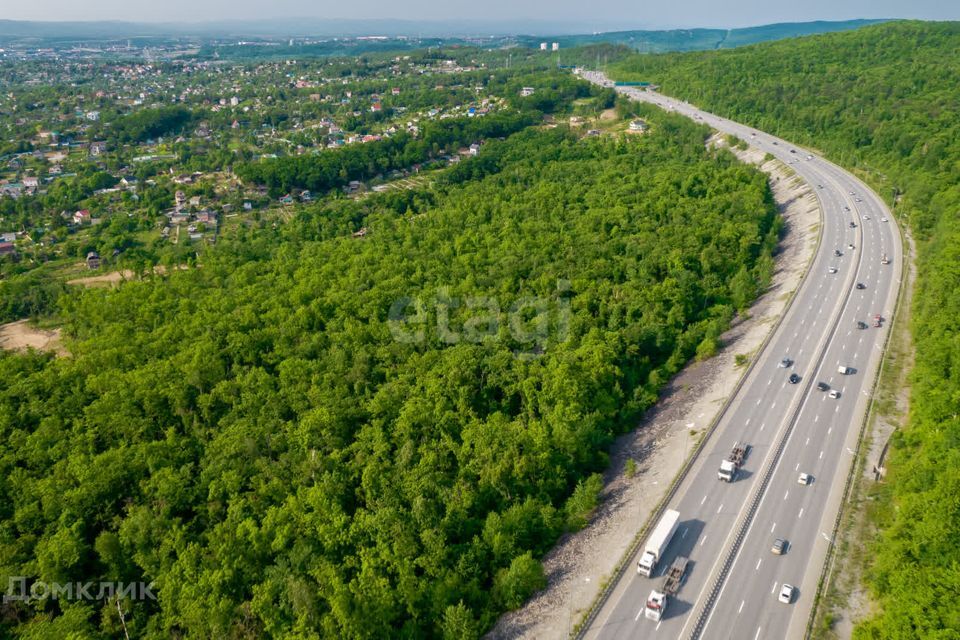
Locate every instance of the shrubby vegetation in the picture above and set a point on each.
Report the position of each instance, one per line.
(337, 167)
(881, 100)
(252, 436)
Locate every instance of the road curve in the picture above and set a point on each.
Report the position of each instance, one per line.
(727, 529)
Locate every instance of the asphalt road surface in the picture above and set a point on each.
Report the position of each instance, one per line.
(819, 433)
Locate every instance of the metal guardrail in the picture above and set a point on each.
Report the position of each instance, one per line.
(823, 584)
(584, 625)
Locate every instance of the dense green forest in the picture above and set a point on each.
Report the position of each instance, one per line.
(315, 434)
(337, 167)
(882, 100)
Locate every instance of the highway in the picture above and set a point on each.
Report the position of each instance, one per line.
(732, 583)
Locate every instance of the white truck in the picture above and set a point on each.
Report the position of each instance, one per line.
(658, 599)
(657, 542)
(844, 370)
(731, 465)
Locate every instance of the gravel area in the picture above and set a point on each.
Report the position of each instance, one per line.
(579, 564)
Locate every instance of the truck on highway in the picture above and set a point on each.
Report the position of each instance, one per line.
(658, 598)
(657, 542)
(730, 466)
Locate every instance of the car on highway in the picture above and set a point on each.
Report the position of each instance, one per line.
(846, 208)
(805, 478)
(858, 200)
(786, 593)
(819, 186)
(779, 547)
(786, 362)
(850, 246)
(866, 217)
(861, 324)
(793, 150)
(834, 393)
(823, 386)
(853, 225)
(837, 252)
(793, 379)
(877, 320)
(809, 157)
(883, 220)
(774, 142)
(852, 193)
(832, 270)
(860, 285)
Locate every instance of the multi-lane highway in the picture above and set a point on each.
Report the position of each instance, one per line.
(727, 529)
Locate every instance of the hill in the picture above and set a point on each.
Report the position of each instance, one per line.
(882, 101)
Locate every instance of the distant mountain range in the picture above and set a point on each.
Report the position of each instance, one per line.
(523, 33)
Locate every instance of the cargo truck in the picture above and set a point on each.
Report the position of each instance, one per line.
(730, 466)
(657, 542)
(658, 599)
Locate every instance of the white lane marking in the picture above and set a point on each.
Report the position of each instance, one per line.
(658, 625)
(816, 418)
(801, 514)
(797, 468)
(718, 508)
(773, 527)
(747, 422)
(742, 602)
(759, 400)
(639, 613)
(773, 406)
(786, 494)
(807, 442)
(762, 426)
(829, 430)
(821, 455)
(757, 568)
(757, 634)
(774, 587)
(704, 500)
(684, 534)
(837, 409)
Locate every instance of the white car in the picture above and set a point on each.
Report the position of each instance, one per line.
(849, 246)
(883, 220)
(832, 269)
(786, 362)
(786, 593)
(804, 478)
(834, 393)
(866, 217)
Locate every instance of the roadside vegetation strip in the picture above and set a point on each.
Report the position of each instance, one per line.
(610, 585)
(826, 574)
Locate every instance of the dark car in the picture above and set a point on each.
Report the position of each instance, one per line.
(794, 378)
(823, 386)
(861, 324)
(860, 285)
(779, 546)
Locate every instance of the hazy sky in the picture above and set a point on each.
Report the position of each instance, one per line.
(610, 14)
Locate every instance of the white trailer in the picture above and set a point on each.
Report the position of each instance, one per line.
(657, 542)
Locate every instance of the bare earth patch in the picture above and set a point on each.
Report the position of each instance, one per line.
(579, 564)
(21, 335)
(105, 280)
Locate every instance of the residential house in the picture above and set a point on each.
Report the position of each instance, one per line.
(81, 217)
(93, 260)
(639, 125)
(527, 91)
(97, 148)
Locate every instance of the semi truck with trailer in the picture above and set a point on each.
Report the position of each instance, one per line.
(658, 599)
(731, 465)
(657, 542)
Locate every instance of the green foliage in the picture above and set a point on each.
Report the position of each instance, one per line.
(580, 505)
(337, 167)
(150, 123)
(263, 438)
(515, 584)
(630, 468)
(881, 100)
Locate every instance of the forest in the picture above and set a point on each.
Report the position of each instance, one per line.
(883, 101)
(312, 434)
(337, 167)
